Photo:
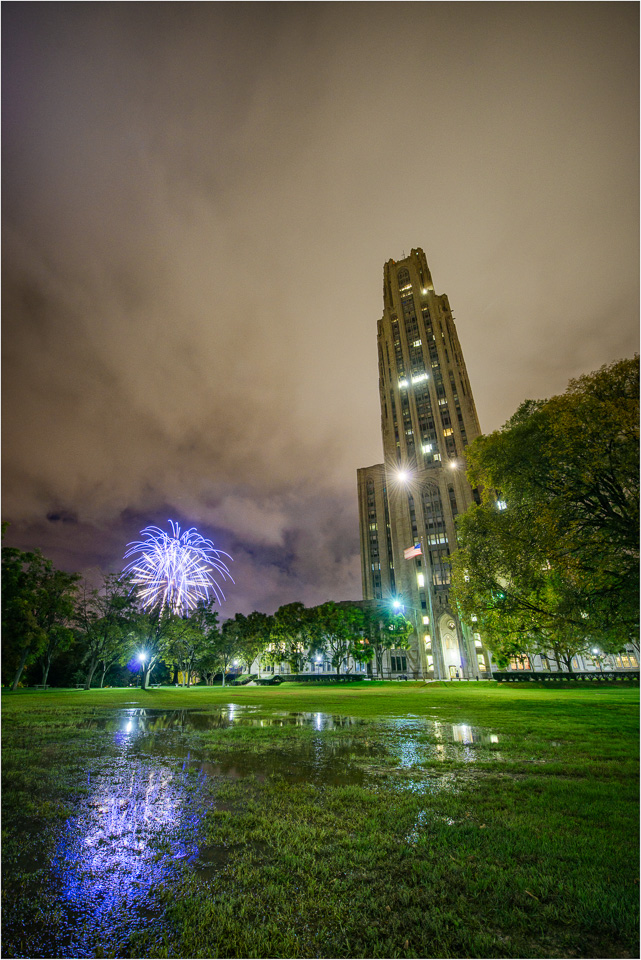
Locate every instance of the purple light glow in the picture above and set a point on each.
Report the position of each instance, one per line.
(176, 570)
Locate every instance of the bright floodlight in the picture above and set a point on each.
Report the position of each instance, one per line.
(453, 464)
(397, 604)
(142, 657)
(403, 476)
(175, 570)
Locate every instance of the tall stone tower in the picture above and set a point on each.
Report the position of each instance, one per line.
(407, 504)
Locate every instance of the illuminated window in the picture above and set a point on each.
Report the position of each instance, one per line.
(437, 456)
(481, 661)
(426, 620)
(501, 504)
(520, 663)
(421, 580)
(626, 660)
(448, 432)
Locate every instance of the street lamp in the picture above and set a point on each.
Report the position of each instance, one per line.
(142, 657)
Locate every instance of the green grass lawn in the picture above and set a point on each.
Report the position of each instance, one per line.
(390, 846)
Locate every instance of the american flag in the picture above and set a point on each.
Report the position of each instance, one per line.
(414, 551)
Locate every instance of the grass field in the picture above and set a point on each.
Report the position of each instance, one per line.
(456, 820)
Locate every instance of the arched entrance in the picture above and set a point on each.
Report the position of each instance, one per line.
(450, 647)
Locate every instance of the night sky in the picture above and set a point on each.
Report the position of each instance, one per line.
(198, 200)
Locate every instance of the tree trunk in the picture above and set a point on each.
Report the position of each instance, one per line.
(104, 674)
(379, 663)
(45, 671)
(16, 679)
(90, 673)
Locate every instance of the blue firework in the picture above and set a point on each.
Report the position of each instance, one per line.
(175, 570)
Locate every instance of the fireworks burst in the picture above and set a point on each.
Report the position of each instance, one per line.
(175, 570)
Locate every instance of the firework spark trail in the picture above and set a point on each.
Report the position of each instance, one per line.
(175, 570)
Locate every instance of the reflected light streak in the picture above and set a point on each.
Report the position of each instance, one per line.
(120, 848)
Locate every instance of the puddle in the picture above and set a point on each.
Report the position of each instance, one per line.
(137, 827)
(136, 721)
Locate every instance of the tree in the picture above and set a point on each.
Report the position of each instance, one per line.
(549, 560)
(228, 643)
(338, 630)
(254, 636)
(193, 643)
(155, 630)
(385, 630)
(107, 620)
(60, 638)
(37, 610)
(290, 634)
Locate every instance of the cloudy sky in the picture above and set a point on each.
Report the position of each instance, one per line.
(198, 200)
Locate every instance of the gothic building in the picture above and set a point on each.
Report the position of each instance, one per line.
(407, 504)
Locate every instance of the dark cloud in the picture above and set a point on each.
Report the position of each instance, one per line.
(198, 202)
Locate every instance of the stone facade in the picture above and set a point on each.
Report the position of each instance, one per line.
(409, 502)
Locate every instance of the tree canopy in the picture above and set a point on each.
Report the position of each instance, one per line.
(549, 560)
(37, 610)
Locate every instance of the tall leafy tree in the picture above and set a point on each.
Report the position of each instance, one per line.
(338, 631)
(291, 635)
(549, 560)
(154, 631)
(198, 639)
(107, 621)
(385, 630)
(37, 610)
(254, 636)
(228, 644)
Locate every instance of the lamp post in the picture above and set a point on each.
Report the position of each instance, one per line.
(597, 654)
(143, 658)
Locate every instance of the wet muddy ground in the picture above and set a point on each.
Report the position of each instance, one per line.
(151, 776)
(243, 830)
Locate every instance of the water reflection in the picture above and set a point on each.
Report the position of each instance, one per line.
(136, 721)
(127, 839)
(139, 822)
(449, 735)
